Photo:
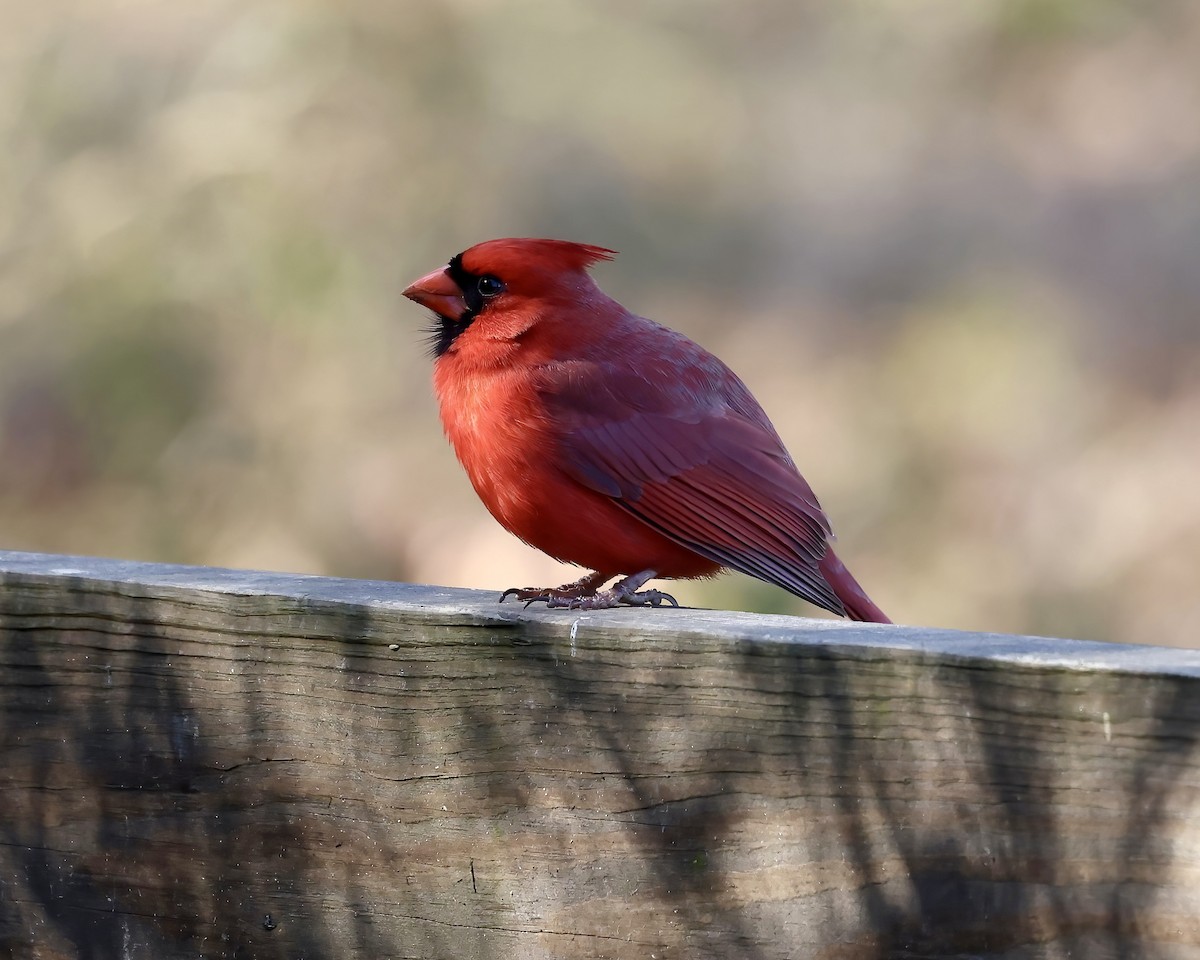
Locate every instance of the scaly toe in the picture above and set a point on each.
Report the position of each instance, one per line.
(603, 600)
(651, 598)
(569, 597)
(528, 594)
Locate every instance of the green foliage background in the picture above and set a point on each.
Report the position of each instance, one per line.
(953, 248)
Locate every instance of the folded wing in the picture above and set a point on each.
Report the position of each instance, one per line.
(709, 474)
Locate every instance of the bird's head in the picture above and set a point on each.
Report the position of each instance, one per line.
(500, 289)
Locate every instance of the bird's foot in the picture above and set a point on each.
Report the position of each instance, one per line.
(582, 588)
(607, 599)
(624, 592)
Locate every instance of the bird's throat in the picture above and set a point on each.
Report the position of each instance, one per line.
(446, 330)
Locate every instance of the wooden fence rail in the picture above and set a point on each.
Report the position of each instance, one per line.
(224, 764)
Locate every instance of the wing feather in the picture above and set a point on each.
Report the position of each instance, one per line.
(712, 476)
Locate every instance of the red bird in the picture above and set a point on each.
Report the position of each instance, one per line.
(611, 442)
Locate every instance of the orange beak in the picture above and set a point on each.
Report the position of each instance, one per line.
(439, 293)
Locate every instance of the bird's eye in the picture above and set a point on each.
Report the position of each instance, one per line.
(489, 286)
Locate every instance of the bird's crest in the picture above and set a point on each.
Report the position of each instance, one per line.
(555, 256)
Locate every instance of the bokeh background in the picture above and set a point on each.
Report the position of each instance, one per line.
(954, 248)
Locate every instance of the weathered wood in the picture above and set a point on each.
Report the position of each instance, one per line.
(223, 764)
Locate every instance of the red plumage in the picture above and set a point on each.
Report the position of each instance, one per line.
(609, 441)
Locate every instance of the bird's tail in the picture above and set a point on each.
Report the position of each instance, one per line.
(858, 605)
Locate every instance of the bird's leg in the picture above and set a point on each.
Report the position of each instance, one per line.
(623, 591)
(585, 586)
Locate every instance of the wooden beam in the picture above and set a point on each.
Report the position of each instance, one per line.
(226, 764)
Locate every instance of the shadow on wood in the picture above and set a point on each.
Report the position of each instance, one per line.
(224, 764)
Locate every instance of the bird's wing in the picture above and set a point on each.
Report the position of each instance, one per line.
(710, 475)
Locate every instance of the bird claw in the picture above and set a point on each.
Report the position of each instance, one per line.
(550, 597)
(528, 594)
(544, 594)
(649, 598)
(608, 599)
(581, 588)
(583, 595)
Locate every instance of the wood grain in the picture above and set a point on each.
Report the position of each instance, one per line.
(225, 764)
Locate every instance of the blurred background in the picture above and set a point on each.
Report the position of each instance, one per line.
(954, 249)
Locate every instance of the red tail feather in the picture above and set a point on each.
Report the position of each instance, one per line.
(858, 605)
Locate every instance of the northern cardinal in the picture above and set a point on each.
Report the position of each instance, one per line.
(614, 443)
